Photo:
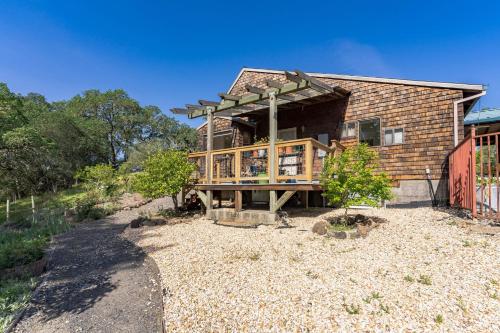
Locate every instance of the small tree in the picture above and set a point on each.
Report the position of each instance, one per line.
(350, 179)
(98, 179)
(165, 173)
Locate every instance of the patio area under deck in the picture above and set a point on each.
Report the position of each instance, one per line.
(284, 166)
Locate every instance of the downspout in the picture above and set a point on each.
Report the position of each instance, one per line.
(455, 114)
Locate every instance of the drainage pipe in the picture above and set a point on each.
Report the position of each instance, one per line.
(455, 113)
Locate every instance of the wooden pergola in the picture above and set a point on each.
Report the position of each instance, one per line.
(300, 89)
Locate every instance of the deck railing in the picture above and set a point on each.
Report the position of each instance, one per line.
(296, 160)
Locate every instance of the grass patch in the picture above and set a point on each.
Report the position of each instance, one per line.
(14, 295)
(425, 279)
(22, 243)
(409, 278)
(352, 309)
(439, 319)
(254, 256)
(21, 209)
(25, 244)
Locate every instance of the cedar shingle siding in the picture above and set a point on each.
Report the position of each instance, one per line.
(425, 114)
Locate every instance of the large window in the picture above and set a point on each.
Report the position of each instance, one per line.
(348, 130)
(369, 132)
(222, 139)
(393, 136)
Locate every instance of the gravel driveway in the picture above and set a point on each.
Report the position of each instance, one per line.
(98, 281)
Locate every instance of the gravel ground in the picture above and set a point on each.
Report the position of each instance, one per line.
(418, 272)
(98, 281)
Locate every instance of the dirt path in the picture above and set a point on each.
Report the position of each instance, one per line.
(98, 281)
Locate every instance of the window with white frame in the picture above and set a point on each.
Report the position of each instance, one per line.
(393, 136)
(348, 130)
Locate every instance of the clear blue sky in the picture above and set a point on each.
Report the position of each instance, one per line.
(169, 53)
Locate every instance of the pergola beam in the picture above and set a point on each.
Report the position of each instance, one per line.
(208, 103)
(179, 111)
(229, 97)
(255, 90)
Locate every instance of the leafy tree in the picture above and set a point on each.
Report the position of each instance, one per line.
(98, 179)
(165, 173)
(351, 178)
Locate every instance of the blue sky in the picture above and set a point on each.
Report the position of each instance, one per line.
(169, 53)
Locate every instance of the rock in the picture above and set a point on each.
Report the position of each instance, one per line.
(154, 222)
(354, 235)
(320, 227)
(340, 234)
(363, 230)
(136, 223)
(359, 218)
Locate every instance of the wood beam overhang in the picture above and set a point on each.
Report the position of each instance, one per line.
(208, 103)
(299, 85)
(180, 111)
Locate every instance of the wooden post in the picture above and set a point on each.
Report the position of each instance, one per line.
(238, 201)
(309, 154)
(273, 131)
(7, 209)
(210, 141)
(33, 207)
(306, 199)
(473, 171)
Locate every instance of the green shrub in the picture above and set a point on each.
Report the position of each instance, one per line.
(98, 180)
(165, 173)
(351, 178)
(14, 295)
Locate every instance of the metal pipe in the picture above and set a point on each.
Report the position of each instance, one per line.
(455, 113)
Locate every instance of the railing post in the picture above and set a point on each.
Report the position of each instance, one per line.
(473, 170)
(273, 131)
(210, 141)
(237, 165)
(309, 160)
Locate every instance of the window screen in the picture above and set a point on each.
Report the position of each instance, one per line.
(393, 136)
(223, 139)
(348, 130)
(369, 132)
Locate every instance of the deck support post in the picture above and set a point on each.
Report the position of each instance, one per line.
(238, 201)
(210, 142)
(273, 131)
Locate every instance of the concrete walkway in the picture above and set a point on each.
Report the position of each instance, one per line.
(98, 281)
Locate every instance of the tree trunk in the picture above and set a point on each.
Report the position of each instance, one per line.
(176, 203)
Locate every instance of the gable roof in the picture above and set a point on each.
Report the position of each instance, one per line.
(486, 115)
(449, 85)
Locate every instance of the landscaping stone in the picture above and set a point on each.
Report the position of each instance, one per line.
(340, 234)
(320, 227)
(289, 280)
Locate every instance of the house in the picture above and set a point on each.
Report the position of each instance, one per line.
(486, 120)
(271, 130)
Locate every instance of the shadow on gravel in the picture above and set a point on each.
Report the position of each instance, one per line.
(81, 269)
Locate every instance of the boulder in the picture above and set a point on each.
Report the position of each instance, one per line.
(136, 223)
(363, 230)
(340, 234)
(320, 227)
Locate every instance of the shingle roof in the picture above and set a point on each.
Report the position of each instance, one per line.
(486, 115)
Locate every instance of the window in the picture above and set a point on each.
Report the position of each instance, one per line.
(393, 136)
(222, 139)
(287, 134)
(348, 130)
(369, 132)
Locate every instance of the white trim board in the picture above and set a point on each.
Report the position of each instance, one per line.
(449, 85)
